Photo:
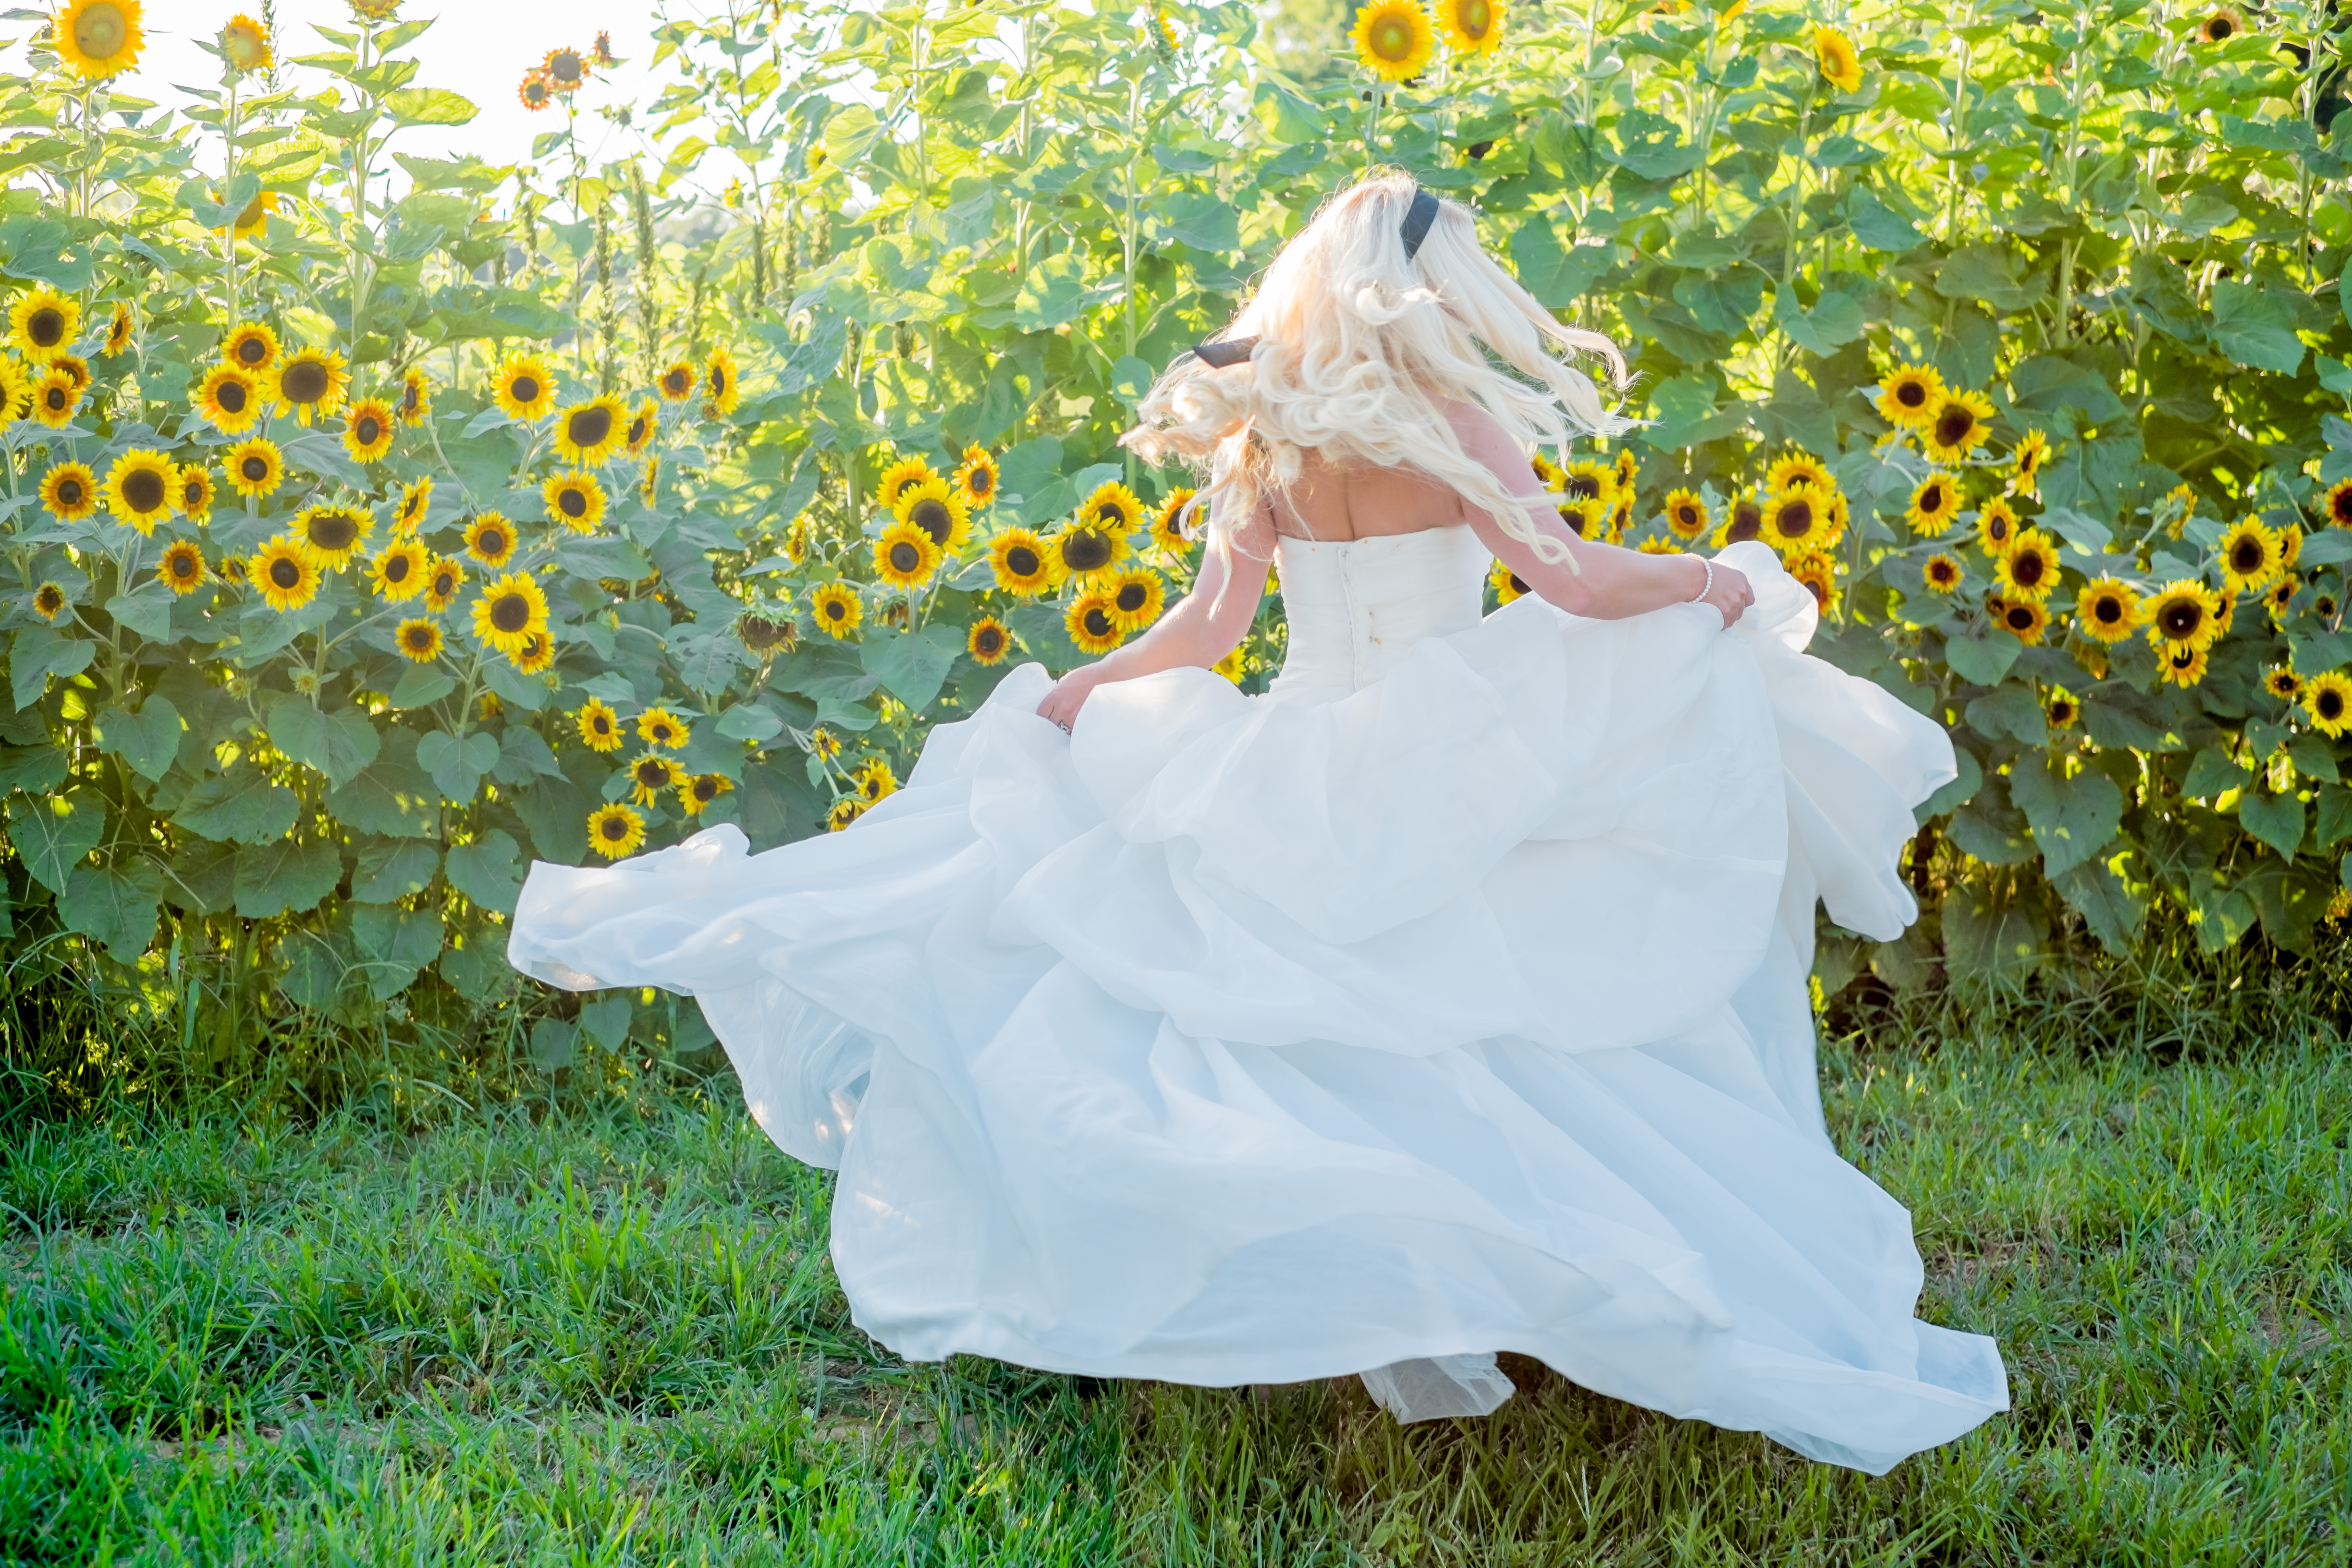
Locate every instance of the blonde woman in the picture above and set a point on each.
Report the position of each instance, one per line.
(1449, 998)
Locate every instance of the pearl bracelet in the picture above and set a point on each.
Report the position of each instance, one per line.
(1707, 586)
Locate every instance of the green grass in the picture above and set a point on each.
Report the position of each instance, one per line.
(608, 1336)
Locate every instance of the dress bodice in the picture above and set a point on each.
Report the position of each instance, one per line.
(1355, 605)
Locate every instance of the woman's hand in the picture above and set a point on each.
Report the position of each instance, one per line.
(1731, 593)
(1070, 694)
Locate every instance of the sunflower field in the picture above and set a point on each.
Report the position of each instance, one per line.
(376, 522)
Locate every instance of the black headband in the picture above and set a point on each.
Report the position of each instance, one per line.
(1417, 220)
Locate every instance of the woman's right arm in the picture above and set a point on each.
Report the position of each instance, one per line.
(1607, 582)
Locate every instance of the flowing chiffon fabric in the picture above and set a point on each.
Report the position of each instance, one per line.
(1449, 998)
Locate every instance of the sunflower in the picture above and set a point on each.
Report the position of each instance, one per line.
(509, 611)
(312, 381)
(244, 45)
(2181, 665)
(975, 478)
(1093, 622)
(677, 381)
(252, 348)
(1393, 39)
(2290, 539)
(2220, 26)
(534, 92)
(650, 774)
(602, 50)
(1840, 67)
(195, 483)
(721, 393)
(939, 511)
(419, 641)
(842, 812)
(616, 830)
(1658, 547)
(988, 641)
(836, 607)
(1021, 561)
(536, 654)
(576, 500)
(287, 573)
(1818, 573)
(415, 499)
(416, 404)
(229, 398)
(700, 791)
(874, 780)
(74, 366)
(2060, 709)
(490, 540)
(182, 567)
(1685, 515)
(367, 430)
(523, 387)
(70, 491)
(117, 332)
(1168, 524)
(2324, 607)
(2251, 555)
(2026, 617)
(1934, 503)
(1506, 583)
(2108, 610)
(97, 38)
(764, 635)
(1547, 472)
(1077, 549)
(2026, 461)
(824, 743)
(660, 727)
(637, 434)
(1585, 518)
(442, 583)
(15, 386)
(1590, 481)
(590, 432)
(1956, 427)
(400, 570)
(1795, 520)
(140, 489)
(49, 601)
(55, 399)
(2029, 568)
(905, 556)
(2282, 683)
(901, 476)
(2327, 698)
(333, 534)
(1137, 597)
(599, 726)
(565, 69)
(1943, 575)
(42, 324)
(255, 467)
(1997, 527)
(2185, 613)
(1471, 26)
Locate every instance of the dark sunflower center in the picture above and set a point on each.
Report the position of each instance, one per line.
(2108, 610)
(250, 352)
(1687, 515)
(1097, 623)
(988, 640)
(718, 380)
(336, 530)
(590, 426)
(184, 566)
(56, 399)
(1942, 571)
(144, 490)
(706, 790)
(614, 829)
(1954, 425)
(1911, 395)
(2180, 620)
(305, 381)
(2020, 619)
(675, 383)
(192, 494)
(2220, 29)
(494, 542)
(931, 515)
(1997, 528)
(70, 492)
(46, 326)
(397, 568)
(1795, 518)
(905, 557)
(572, 501)
(420, 637)
(2025, 568)
(253, 470)
(1517, 585)
(410, 398)
(526, 389)
(1931, 500)
(1584, 486)
(981, 482)
(1021, 561)
(2246, 557)
(1086, 550)
(636, 430)
(2330, 705)
(369, 430)
(601, 725)
(286, 573)
(835, 609)
(231, 397)
(1131, 597)
(2327, 608)
(444, 584)
(511, 612)
(566, 68)
(50, 600)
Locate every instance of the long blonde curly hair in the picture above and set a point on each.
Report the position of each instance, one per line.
(1360, 349)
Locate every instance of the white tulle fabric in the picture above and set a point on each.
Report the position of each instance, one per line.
(1450, 998)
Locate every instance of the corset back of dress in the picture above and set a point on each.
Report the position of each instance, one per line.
(1353, 606)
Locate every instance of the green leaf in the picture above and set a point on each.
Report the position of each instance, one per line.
(239, 806)
(391, 945)
(458, 766)
(53, 833)
(487, 871)
(419, 685)
(912, 666)
(146, 609)
(554, 1045)
(32, 769)
(146, 740)
(556, 813)
(1201, 220)
(338, 744)
(2111, 909)
(274, 878)
(607, 1020)
(1968, 778)
(2274, 819)
(1557, 277)
(1880, 227)
(1834, 320)
(391, 868)
(2313, 756)
(1992, 829)
(850, 135)
(2073, 820)
(2334, 823)
(39, 652)
(2255, 328)
(753, 721)
(1052, 294)
(115, 906)
(2211, 772)
(428, 106)
(1990, 941)
(1983, 660)
(392, 796)
(2011, 710)
(706, 662)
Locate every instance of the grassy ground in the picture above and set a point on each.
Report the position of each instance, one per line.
(614, 1337)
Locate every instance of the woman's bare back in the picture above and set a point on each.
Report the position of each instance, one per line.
(1334, 502)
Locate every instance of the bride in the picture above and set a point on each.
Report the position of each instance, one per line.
(1449, 998)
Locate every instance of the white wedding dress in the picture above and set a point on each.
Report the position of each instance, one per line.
(1449, 998)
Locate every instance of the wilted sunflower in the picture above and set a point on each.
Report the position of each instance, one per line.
(49, 601)
(1393, 39)
(367, 429)
(939, 511)
(904, 553)
(2180, 665)
(523, 387)
(244, 45)
(660, 727)
(416, 404)
(510, 610)
(70, 491)
(535, 92)
(1685, 515)
(2327, 698)
(765, 634)
(42, 324)
(1818, 573)
(310, 383)
(975, 478)
(565, 69)
(720, 392)
(1168, 524)
(195, 483)
(333, 534)
(899, 478)
(1834, 53)
(285, 573)
(2282, 683)
(183, 566)
(2250, 556)
(1934, 504)
(1795, 520)
(847, 809)
(599, 726)
(1996, 527)
(638, 433)
(700, 791)
(615, 830)
(590, 432)
(2060, 709)
(1746, 522)
(1942, 573)
(989, 640)
(490, 540)
(2026, 617)
(677, 382)
(1021, 562)
(442, 583)
(140, 489)
(1137, 597)
(229, 398)
(96, 39)
(536, 654)
(2185, 612)
(252, 348)
(836, 608)
(419, 641)
(1506, 583)
(399, 571)
(2029, 568)
(117, 332)
(2025, 461)
(1958, 427)
(2108, 610)
(575, 500)
(2220, 26)
(1093, 622)
(255, 467)
(55, 399)
(649, 776)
